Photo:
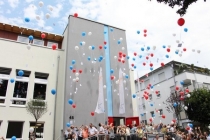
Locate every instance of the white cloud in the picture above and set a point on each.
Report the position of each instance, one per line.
(48, 28)
(1, 2)
(8, 11)
(14, 21)
(13, 3)
(56, 10)
(29, 1)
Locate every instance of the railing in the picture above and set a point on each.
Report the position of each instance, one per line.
(18, 102)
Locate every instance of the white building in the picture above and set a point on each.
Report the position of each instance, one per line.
(164, 80)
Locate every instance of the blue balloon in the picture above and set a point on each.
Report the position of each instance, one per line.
(30, 37)
(104, 32)
(105, 47)
(142, 114)
(53, 91)
(127, 57)
(12, 80)
(151, 69)
(99, 60)
(13, 138)
(182, 82)
(101, 57)
(167, 56)
(93, 47)
(142, 49)
(148, 47)
(191, 125)
(151, 104)
(134, 67)
(88, 58)
(176, 52)
(73, 62)
(185, 29)
(111, 29)
(70, 101)
(134, 59)
(175, 104)
(27, 19)
(134, 95)
(20, 73)
(118, 42)
(153, 115)
(151, 87)
(83, 34)
(138, 32)
(68, 124)
(140, 56)
(126, 76)
(80, 43)
(111, 71)
(71, 67)
(164, 46)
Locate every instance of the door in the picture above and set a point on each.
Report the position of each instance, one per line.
(119, 121)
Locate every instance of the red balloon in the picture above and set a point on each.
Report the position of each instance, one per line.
(112, 77)
(119, 60)
(145, 35)
(181, 98)
(145, 31)
(75, 15)
(135, 53)
(151, 54)
(80, 71)
(144, 63)
(92, 113)
(120, 53)
(73, 70)
(150, 119)
(188, 128)
(181, 93)
(156, 92)
(146, 97)
(54, 47)
(148, 87)
(123, 61)
(163, 116)
(181, 22)
(74, 106)
(124, 55)
(132, 65)
(177, 88)
(43, 35)
(100, 47)
(104, 42)
(120, 56)
(174, 120)
(151, 64)
(187, 90)
(147, 57)
(168, 50)
(184, 49)
(162, 64)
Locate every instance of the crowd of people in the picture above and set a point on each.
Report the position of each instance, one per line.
(133, 132)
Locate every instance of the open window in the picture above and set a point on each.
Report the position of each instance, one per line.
(160, 111)
(39, 129)
(40, 85)
(14, 129)
(38, 42)
(4, 78)
(23, 39)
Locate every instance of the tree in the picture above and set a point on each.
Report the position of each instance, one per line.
(183, 3)
(199, 106)
(37, 108)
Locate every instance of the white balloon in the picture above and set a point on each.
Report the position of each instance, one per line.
(177, 41)
(177, 50)
(172, 122)
(185, 107)
(154, 47)
(104, 86)
(41, 3)
(124, 74)
(31, 129)
(123, 48)
(77, 79)
(76, 48)
(193, 50)
(198, 51)
(47, 16)
(51, 8)
(117, 82)
(90, 47)
(83, 43)
(169, 46)
(74, 80)
(174, 34)
(77, 74)
(37, 17)
(90, 33)
(180, 55)
(28, 46)
(188, 95)
(124, 81)
(115, 57)
(121, 39)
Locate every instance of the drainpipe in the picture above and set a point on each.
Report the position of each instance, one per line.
(58, 61)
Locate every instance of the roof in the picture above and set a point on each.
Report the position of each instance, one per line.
(28, 31)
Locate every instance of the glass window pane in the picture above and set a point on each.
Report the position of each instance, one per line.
(20, 90)
(38, 42)
(39, 129)
(40, 91)
(14, 129)
(23, 39)
(3, 87)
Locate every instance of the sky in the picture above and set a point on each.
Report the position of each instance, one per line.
(159, 20)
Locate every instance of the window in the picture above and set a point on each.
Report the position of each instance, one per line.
(14, 129)
(172, 89)
(152, 113)
(23, 39)
(4, 78)
(160, 111)
(49, 44)
(150, 97)
(38, 42)
(161, 77)
(39, 129)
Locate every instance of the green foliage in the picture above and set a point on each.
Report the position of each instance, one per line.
(199, 106)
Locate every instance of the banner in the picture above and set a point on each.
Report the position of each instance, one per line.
(121, 93)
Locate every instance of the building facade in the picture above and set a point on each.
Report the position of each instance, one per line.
(46, 69)
(163, 81)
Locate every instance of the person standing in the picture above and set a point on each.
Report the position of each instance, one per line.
(101, 132)
(140, 133)
(92, 132)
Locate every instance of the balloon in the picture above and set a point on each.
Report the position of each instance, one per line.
(30, 37)
(93, 47)
(140, 56)
(27, 19)
(104, 42)
(163, 116)
(185, 29)
(47, 16)
(53, 91)
(115, 57)
(75, 15)
(71, 67)
(167, 56)
(111, 29)
(145, 35)
(123, 48)
(117, 82)
(134, 95)
(13, 138)
(164, 46)
(105, 47)
(177, 88)
(151, 54)
(127, 57)
(184, 49)
(74, 106)
(176, 52)
(90, 47)
(148, 47)
(43, 35)
(175, 104)
(89, 33)
(193, 50)
(169, 46)
(188, 128)
(144, 63)
(124, 55)
(151, 104)
(88, 58)
(180, 54)
(118, 42)
(77, 79)
(191, 125)
(54, 46)
(112, 77)
(100, 47)
(70, 101)
(182, 82)
(134, 59)
(151, 65)
(174, 34)
(104, 86)
(51, 8)
(168, 49)
(92, 113)
(162, 64)
(188, 95)
(134, 67)
(142, 49)
(147, 57)
(145, 31)
(83, 34)
(37, 17)
(68, 124)
(41, 3)
(73, 62)
(20, 73)
(12, 80)
(154, 47)
(185, 107)
(138, 32)
(111, 71)
(80, 71)
(76, 48)
(126, 76)
(187, 90)
(135, 53)
(198, 51)
(181, 22)
(76, 74)
(31, 129)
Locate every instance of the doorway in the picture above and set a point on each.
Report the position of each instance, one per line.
(119, 121)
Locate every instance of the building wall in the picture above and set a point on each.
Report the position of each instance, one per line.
(86, 94)
(38, 59)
